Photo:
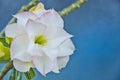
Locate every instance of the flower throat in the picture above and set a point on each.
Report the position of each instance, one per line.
(41, 40)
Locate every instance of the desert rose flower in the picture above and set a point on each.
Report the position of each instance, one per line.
(39, 41)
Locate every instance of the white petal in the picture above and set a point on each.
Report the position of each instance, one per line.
(13, 30)
(66, 48)
(57, 38)
(35, 28)
(62, 61)
(39, 64)
(45, 65)
(51, 18)
(35, 50)
(24, 16)
(22, 66)
(51, 32)
(51, 53)
(18, 48)
(51, 65)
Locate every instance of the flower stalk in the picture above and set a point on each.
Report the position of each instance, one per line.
(5, 70)
(72, 7)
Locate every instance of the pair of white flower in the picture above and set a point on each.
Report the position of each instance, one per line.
(39, 41)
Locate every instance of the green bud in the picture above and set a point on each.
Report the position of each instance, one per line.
(8, 40)
(4, 53)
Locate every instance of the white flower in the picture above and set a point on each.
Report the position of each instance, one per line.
(39, 41)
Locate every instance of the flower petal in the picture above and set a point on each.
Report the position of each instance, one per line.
(22, 66)
(45, 65)
(62, 61)
(66, 48)
(39, 64)
(51, 65)
(54, 43)
(51, 53)
(35, 50)
(19, 47)
(35, 28)
(24, 16)
(13, 30)
(51, 18)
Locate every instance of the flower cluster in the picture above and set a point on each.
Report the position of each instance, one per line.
(39, 41)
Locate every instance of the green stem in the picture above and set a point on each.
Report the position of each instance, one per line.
(5, 70)
(72, 7)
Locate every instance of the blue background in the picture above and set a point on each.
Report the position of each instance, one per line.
(96, 27)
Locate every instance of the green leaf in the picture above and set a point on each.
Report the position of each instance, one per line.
(4, 51)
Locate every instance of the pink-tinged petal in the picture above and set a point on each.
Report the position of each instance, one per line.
(22, 66)
(24, 16)
(51, 18)
(35, 28)
(12, 30)
(62, 61)
(35, 50)
(66, 48)
(19, 47)
(51, 53)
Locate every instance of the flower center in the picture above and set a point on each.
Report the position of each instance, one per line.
(41, 40)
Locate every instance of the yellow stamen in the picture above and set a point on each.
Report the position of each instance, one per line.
(41, 40)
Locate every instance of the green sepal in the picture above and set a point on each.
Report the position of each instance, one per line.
(30, 74)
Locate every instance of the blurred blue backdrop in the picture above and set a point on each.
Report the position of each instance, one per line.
(96, 30)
